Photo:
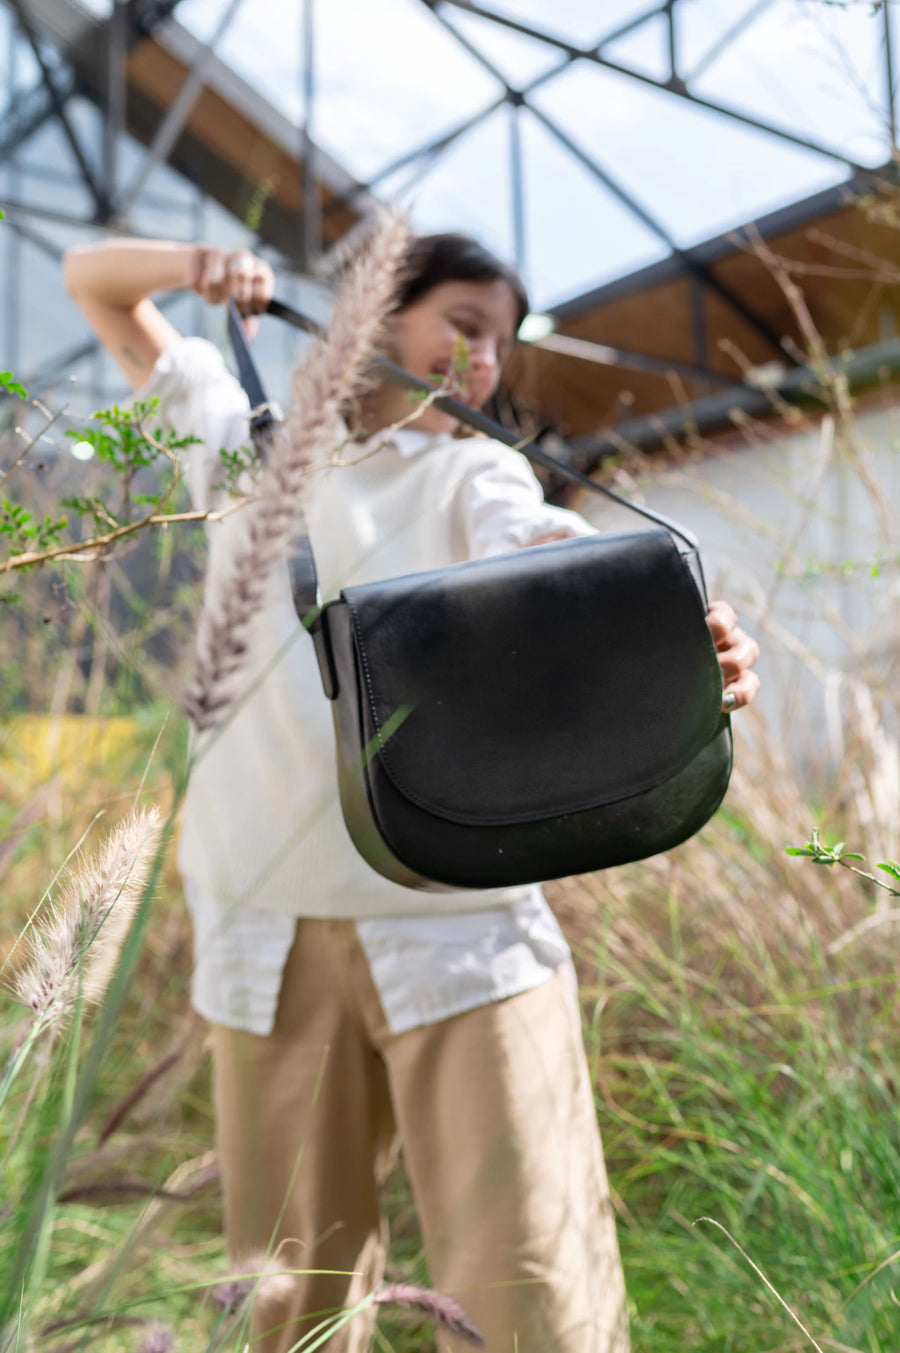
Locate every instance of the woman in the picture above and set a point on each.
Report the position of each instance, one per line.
(346, 1009)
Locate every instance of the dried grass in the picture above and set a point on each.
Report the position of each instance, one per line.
(322, 385)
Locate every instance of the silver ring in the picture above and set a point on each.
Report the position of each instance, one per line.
(729, 701)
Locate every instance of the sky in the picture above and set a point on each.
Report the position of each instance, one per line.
(390, 77)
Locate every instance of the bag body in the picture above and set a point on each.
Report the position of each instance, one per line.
(509, 720)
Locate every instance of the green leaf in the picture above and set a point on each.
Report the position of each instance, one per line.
(890, 867)
(798, 850)
(8, 381)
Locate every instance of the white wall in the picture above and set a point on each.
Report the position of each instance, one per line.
(790, 533)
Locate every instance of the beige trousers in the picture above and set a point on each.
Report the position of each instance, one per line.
(495, 1113)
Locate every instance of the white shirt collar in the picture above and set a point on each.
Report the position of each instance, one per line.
(406, 441)
(409, 441)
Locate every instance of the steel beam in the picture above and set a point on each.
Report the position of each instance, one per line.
(517, 186)
(891, 93)
(116, 85)
(674, 83)
(13, 249)
(144, 15)
(630, 27)
(802, 386)
(28, 110)
(610, 354)
(36, 107)
(728, 37)
(312, 214)
(429, 150)
(16, 210)
(469, 46)
(100, 199)
(172, 124)
(699, 322)
(19, 228)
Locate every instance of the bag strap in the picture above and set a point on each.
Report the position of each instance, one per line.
(264, 413)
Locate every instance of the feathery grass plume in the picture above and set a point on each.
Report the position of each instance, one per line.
(83, 933)
(442, 1310)
(322, 385)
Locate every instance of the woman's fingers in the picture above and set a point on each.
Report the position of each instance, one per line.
(740, 654)
(220, 275)
(736, 652)
(249, 282)
(722, 620)
(263, 287)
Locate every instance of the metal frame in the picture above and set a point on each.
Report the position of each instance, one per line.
(131, 19)
(678, 83)
(58, 104)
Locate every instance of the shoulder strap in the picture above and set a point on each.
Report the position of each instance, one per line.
(262, 416)
(265, 414)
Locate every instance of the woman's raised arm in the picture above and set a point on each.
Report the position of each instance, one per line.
(112, 284)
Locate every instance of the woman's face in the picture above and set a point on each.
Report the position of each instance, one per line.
(474, 319)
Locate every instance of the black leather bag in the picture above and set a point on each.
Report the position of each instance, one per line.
(533, 715)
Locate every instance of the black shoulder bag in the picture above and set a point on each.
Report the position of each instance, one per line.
(542, 713)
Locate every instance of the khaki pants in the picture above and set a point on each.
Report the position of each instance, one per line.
(495, 1113)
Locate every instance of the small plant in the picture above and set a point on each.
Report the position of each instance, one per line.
(820, 853)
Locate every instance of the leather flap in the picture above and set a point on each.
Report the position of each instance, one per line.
(541, 682)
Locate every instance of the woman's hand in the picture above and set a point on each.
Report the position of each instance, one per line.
(220, 275)
(736, 652)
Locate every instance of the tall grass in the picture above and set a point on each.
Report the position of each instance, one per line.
(742, 1038)
(742, 1032)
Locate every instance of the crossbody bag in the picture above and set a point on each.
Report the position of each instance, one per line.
(537, 714)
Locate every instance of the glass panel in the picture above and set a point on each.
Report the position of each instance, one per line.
(695, 173)
(816, 70)
(52, 322)
(519, 59)
(578, 234)
(377, 91)
(48, 150)
(468, 189)
(644, 49)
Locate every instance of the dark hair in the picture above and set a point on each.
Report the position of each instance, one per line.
(451, 257)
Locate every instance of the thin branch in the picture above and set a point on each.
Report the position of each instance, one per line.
(51, 419)
(78, 552)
